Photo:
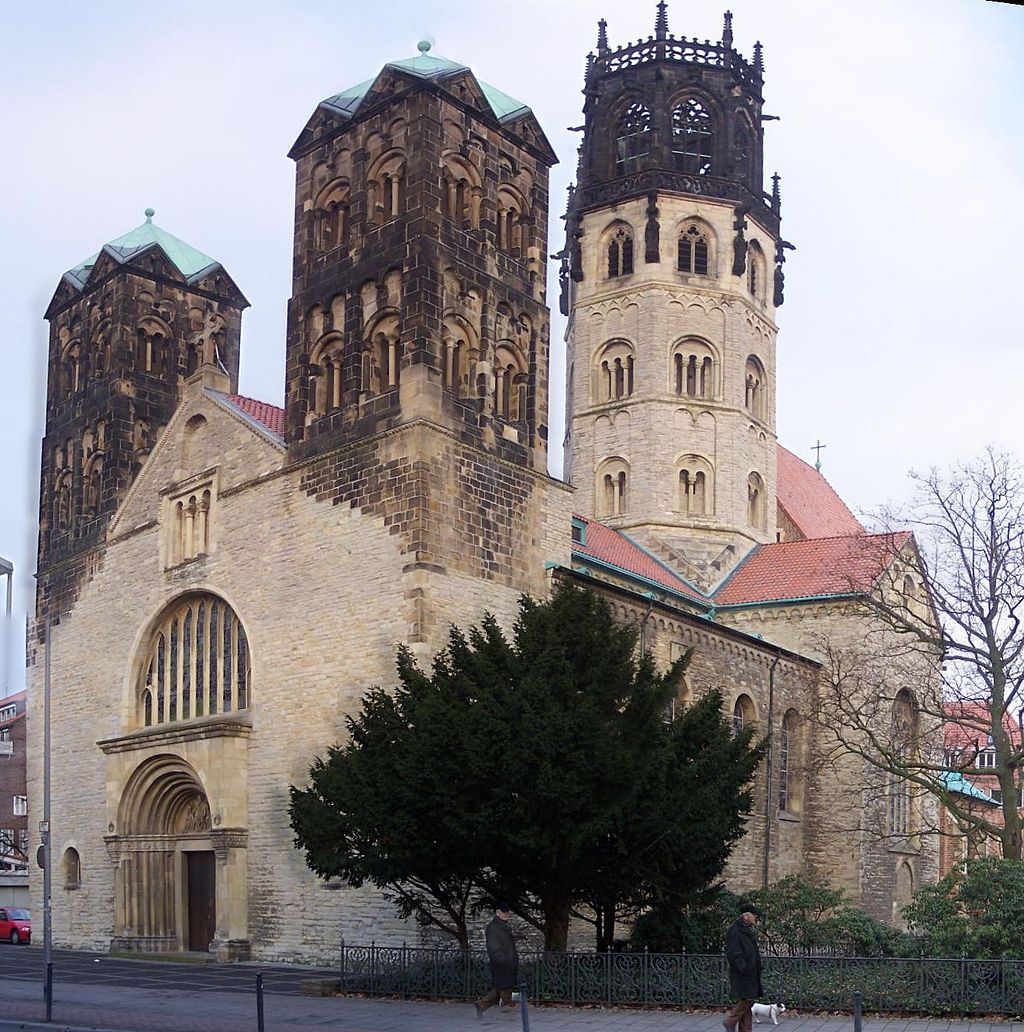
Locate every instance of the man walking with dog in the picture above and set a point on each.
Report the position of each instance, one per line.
(744, 969)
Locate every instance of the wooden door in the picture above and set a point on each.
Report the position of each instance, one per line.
(202, 900)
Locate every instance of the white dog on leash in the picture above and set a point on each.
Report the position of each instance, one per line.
(768, 1012)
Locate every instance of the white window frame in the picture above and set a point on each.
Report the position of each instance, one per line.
(20, 806)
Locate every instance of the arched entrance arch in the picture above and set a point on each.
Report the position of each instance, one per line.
(168, 879)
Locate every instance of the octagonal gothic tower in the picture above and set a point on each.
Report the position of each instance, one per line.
(668, 282)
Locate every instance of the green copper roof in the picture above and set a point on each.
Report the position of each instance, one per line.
(954, 781)
(427, 66)
(186, 259)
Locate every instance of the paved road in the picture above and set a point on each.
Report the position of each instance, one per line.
(116, 995)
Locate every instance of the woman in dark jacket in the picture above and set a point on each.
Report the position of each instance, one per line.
(744, 969)
(504, 961)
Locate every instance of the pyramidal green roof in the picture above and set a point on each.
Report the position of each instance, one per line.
(427, 66)
(186, 259)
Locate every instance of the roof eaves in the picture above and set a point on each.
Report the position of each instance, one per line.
(251, 421)
(796, 600)
(640, 578)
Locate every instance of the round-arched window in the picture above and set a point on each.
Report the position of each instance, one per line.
(196, 663)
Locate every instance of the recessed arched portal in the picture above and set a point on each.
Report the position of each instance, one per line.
(166, 885)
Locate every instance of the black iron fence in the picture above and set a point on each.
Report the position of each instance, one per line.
(923, 985)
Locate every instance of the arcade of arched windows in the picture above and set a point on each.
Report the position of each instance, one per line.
(754, 387)
(693, 370)
(460, 345)
(757, 508)
(385, 184)
(195, 663)
(612, 487)
(189, 535)
(696, 486)
(331, 216)
(510, 229)
(615, 372)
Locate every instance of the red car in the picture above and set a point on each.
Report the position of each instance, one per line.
(15, 925)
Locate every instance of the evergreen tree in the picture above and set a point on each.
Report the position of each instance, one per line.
(542, 769)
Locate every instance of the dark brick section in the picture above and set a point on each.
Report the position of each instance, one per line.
(415, 262)
(119, 353)
(13, 775)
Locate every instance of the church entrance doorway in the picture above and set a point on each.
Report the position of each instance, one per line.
(166, 884)
(202, 899)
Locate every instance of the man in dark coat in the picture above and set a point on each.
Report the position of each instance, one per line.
(501, 951)
(744, 969)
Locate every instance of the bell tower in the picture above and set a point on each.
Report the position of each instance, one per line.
(671, 277)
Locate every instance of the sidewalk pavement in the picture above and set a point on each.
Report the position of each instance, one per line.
(97, 1008)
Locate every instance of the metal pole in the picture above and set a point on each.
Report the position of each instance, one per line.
(524, 1011)
(768, 773)
(858, 1022)
(259, 1002)
(45, 829)
(7, 570)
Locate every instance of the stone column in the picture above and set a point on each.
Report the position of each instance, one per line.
(232, 935)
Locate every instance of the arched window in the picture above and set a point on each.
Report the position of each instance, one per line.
(62, 502)
(755, 271)
(616, 371)
(462, 192)
(694, 253)
(382, 357)
(461, 352)
(386, 187)
(620, 253)
(742, 713)
(693, 370)
(754, 387)
(71, 867)
(71, 369)
(196, 663)
(510, 226)
(612, 487)
(325, 377)
(151, 347)
(756, 505)
(741, 149)
(790, 787)
(632, 139)
(191, 526)
(692, 138)
(696, 486)
(92, 486)
(510, 382)
(904, 720)
(331, 217)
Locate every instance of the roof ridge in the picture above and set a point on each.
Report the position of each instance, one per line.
(835, 537)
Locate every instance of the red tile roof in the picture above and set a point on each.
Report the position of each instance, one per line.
(269, 416)
(810, 502)
(815, 568)
(615, 548)
(967, 722)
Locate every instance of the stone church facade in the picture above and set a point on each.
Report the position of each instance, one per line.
(224, 578)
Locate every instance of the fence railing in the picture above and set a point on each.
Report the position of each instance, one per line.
(923, 985)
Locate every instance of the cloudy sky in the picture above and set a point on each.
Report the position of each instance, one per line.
(900, 143)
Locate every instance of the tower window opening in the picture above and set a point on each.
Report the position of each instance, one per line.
(692, 138)
(620, 254)
(693, 251)
(633, 139)
(612, 485)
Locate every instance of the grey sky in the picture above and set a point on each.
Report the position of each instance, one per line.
(901, 146)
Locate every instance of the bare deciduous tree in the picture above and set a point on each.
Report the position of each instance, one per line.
(930, 695)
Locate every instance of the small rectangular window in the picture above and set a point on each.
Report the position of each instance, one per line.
(20, 806)
(579, 531)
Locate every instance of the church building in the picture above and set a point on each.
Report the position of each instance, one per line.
(224, 578)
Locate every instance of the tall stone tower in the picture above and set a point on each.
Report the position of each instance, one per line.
(127, 327)
(669, 287)
(419, 269)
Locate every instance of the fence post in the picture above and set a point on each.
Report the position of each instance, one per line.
(259, 1002)
(373, 966)
(858, 1018)
(343, 964)
(403, 968)
(963, 980)
(647, 976)
(573, 957)
(920, 981)
(524, 1010)
(683, 986)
